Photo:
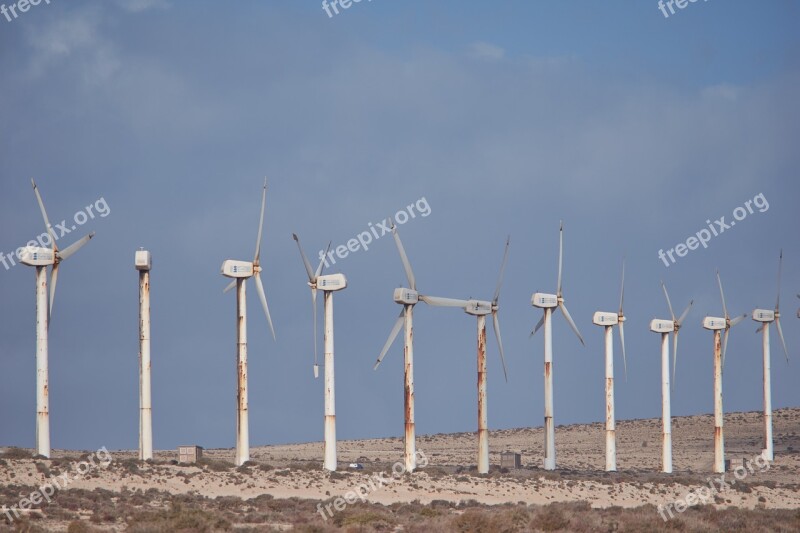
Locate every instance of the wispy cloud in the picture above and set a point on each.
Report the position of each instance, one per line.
(483, 50)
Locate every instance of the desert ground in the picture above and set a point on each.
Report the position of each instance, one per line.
(284, 487)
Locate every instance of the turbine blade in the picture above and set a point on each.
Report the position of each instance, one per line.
(261, 223)
(622, 342)
(231, 285)
(780, 334)
(722, 293)
(738, 319)
(780, 269)
(571, 322)
(305, 259)
(44, 216)
(314, 308)
(403, 257)
(502, 271)
(263, 297)
(669, 303)
(538, 326)
(398, 324)
(725, 345)
(560, 255)
(685, 313)
(53, 282)
(496, 325)
(74, 247)
(442, 302)
(322, 262)
(622, 289)
(760, 328)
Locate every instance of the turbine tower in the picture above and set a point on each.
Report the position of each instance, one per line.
(479, 309)
(665, 327)
(41, 258)
(548, 302)
(608, 321)
(766, 317)
(143, 263)
(717, 325)
(328, 284)
(241, 271)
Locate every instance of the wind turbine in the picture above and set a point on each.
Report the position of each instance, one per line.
(479, 309)
(766, 317)
(41, 258)
(608, 321)
(241, 271)
(408, 298)
(665, 327)
(717, 325)
(548, 302)
(328, 284)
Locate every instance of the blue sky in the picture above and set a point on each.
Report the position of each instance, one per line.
(507, 117)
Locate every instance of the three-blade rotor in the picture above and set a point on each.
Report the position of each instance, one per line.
(729, 322)
(559, 294)
(312, 282)
(677, 323)
(777, 315)
(58, 256)
(257, 264)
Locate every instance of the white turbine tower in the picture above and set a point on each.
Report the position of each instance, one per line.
(548, 302)
(328, 284)
(241, 271)
(479, 309)
(142, 262)
(408, 298)
(41, 258)
(717, 325)
(665, 327)
(766, 317)
(608, 321)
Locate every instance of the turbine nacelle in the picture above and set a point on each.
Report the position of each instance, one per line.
(714, 323)
(406, 296)
(764, 315)
(602, 318)
(478, 308)
(142, 260)
(543, 300)
(36, 256)
(232, 268)
(331, 282)
(662, 326)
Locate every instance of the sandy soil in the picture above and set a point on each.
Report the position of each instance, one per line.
(295, 470)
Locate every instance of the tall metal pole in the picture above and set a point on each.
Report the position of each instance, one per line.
(666, 415)
(768, 453)
(242, 421)
(408, 404)
(549, 428)
(145, 407)
(611, 439)
(483, 425)
(330, 396)
(719, 437)
(42, 379)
